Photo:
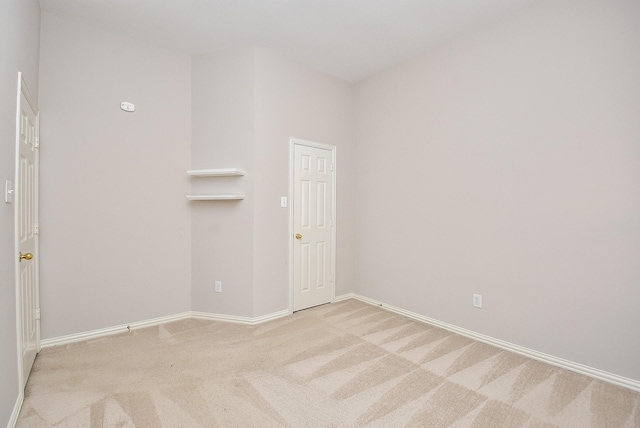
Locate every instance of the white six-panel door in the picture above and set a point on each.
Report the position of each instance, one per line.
(27, 230)
(313, 223)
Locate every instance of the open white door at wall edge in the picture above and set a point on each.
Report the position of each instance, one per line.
(26, 232)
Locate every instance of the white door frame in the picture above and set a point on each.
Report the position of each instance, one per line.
(23, 89)
(300, 142)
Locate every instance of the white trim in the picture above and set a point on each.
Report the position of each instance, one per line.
(540, 356)
(37, 231)
(239, 319)
(308, 143)
(13, 420)
(292, 169)
(347, 296)
(94, 334)
(293, 141)
(123, 328)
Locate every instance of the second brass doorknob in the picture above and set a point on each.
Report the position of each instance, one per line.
(25, 256)
(298, 236)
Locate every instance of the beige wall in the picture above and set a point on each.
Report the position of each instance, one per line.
(507, 163)
(247, 104)
(19, 48)
(115, 229)
(223, 137)
(294, 101)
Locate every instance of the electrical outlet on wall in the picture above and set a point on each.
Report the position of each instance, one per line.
(477, 300)
(218, 286)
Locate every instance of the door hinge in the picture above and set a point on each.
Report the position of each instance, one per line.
(38, 313)
(36, 229)
(331, 167)
(37, 143)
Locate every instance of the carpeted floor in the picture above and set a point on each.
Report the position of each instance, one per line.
(346, 364)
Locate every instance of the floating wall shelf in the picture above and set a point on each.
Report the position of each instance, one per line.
(218, 172)
(214, 197)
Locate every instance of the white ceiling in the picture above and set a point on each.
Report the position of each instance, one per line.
(349, 39)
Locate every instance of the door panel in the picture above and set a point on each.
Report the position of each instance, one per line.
(313, 226)
(27, 231)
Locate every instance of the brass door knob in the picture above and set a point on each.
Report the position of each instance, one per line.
(25, 256)
(298, 236)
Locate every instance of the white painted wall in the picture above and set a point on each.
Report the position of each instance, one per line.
(19, 51)
(115, 228)
(292, 100)
(247, 103)
(507, 163)
(222, 231)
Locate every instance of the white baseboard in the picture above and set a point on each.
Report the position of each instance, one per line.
(540, 356)
(94, 334)
(347, 296)
(16, 411)
(241, 320)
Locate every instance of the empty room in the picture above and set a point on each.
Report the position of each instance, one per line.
(320, 213)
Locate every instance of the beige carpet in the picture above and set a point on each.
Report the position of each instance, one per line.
(347, 364)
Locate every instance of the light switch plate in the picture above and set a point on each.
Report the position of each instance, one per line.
(8, 192)
(283, 202)
(477, 301)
